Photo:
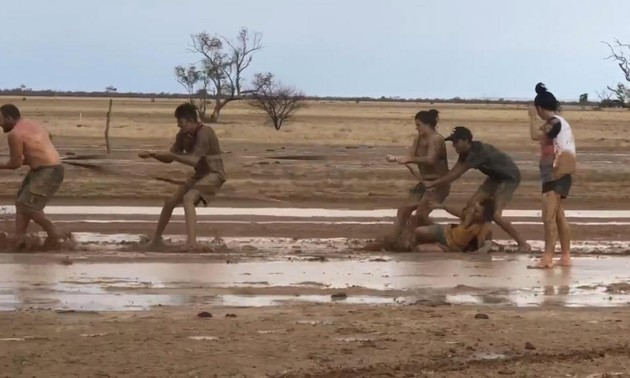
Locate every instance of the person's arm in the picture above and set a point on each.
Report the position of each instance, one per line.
(414, 146)
(411, 151)
(484, 240)
(433, 153)
(177, 153)
(458, 170)
(551, 128)
(16, 153)
(200, 149)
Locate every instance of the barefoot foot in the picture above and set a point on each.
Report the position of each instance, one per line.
(542, 264)
(564, 261)
(524, 248)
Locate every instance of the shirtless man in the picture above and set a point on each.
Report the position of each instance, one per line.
(428, 152)
(30, 144)
(197, 146)
(503, 176)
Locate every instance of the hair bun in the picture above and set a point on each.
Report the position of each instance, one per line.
(541, 88)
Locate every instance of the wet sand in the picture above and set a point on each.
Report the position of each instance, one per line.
(318, 340)
(282, 307)
(293, 292)
(605, 227)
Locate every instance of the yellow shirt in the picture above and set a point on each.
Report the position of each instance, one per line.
(458, 237)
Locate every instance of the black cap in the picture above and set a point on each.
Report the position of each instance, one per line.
(460, 133)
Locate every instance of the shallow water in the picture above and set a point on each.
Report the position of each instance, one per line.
(139, 285)
(286, 246)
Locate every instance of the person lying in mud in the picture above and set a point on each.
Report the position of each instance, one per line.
(472, 234)
(197, 146)
(503, 176)
(428, 153)
(30, 144)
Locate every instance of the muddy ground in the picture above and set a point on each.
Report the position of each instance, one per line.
(341, 149)
(336, 340)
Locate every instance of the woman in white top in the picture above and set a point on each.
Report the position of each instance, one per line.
(557, 164)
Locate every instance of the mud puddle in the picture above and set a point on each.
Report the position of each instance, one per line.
(294, 248)
(138, 285)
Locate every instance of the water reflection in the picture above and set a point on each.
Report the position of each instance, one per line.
(136, 285)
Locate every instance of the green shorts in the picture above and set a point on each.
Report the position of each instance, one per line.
(39, 186)
(440, 234)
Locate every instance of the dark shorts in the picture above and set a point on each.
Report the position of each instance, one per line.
(501, 190)
(39, 186)
(562, 186)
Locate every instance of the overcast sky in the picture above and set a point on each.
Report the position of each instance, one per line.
(406, 48)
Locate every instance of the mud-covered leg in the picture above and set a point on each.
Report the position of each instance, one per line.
(189, 201)
(550, 202)
(564, 233)
(165, 216)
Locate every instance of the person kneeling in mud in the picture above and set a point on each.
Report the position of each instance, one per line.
(472, 234)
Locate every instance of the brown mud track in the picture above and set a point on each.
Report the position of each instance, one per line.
(318, 341)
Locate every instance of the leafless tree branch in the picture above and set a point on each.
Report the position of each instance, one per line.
(604, 95)
(617, 54)
(279, 102)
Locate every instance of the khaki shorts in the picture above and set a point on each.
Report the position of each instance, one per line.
(208, 186)
(39, 186)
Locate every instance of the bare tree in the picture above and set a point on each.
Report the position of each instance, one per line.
(223, 63)
(188, 77)
(618, 54)
(605, 99)
(621, 92)
(604, 95)
(278, 101)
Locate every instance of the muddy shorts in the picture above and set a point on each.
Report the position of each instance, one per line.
(418, 192)
(500, 190)
(39, 186)
(562, 186)
(208, 186)
(440, 234)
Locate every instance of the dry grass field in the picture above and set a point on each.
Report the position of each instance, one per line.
(354, 138)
